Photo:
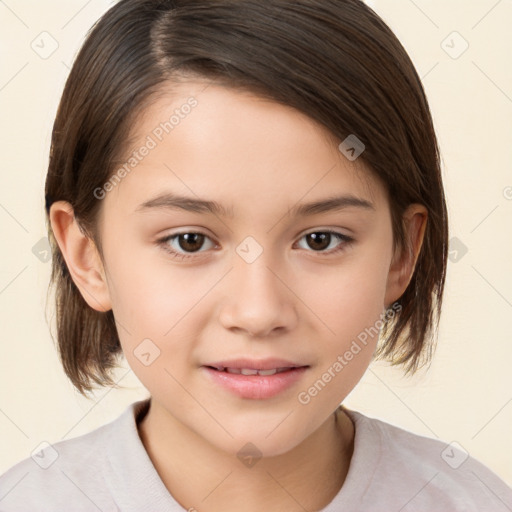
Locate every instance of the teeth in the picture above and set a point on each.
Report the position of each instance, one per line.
(267, 372)
(250, 371)
(247, 371)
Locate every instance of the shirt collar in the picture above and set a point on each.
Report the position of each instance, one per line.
(132, 478)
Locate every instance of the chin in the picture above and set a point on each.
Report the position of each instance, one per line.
(257, 441)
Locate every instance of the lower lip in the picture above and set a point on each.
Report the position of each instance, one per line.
(256, 387)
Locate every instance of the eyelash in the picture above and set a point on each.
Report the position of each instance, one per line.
(163, 242)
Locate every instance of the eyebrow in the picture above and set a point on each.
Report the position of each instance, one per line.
(170, 201)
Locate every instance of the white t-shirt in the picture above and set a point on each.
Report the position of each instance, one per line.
(391, 470)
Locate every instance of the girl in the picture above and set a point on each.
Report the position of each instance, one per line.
(245, 200)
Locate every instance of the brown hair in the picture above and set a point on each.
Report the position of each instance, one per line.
(334, 60)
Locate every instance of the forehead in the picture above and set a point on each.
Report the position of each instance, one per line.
(212, 141)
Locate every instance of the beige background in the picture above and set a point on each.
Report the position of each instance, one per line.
(466, 396)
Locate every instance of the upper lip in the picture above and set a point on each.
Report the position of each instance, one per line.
(255, 364)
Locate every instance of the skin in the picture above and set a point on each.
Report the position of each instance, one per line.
(260, 159)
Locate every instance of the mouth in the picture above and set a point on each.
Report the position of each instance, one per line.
(252, 371)
(255, 380)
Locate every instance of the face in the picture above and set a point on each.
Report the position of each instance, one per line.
(243, 238)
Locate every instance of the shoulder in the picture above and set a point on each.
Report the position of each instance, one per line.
(420, 473)
(70, 471)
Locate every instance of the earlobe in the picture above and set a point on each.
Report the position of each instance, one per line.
(404, 260)
(81, 256)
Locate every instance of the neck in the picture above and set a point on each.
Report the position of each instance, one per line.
(201, 477)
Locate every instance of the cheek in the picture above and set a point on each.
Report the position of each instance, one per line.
(160, 316)
(350, 309)
(159, 308)
(150, 294)
(350, 301)
(350, 297)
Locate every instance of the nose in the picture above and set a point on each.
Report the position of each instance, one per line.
(258, 301)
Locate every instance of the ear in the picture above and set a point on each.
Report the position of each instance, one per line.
(81, 256)
(404, 261)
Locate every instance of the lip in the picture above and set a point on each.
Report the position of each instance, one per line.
(255, 387)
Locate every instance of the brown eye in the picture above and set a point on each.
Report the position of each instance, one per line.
(191, 242)
(183, 245)
(325, 241)
(318, 241)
